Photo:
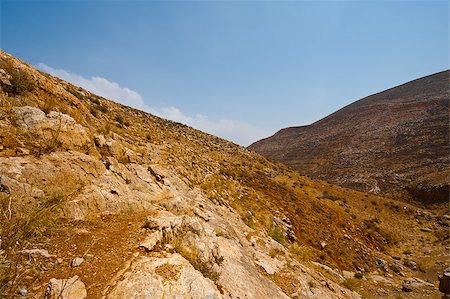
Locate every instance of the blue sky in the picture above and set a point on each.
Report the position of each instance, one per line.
(240, 70)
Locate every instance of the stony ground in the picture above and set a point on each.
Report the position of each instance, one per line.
(104, 201)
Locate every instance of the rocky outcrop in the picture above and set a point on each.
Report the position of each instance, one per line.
(164, 277)
(54, 126)
(72, 288)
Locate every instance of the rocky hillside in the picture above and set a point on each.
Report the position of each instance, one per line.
(395, 142)
(99, 200)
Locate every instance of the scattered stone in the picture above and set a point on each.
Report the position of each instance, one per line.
(426, 229)
(266, 266)
(3, 187)
(323, 244)
(150, 223)
(426, 251)
(22, 291)
(395, 268)
(72, 288)
(5, 77)
(42, 252)
(444, 282)
(330, 270)
(77, 261)
(348, 274)
(151, 240)
(99, 140)
(381, 292)
(22, 151)
(158, 177)
(410, 264)
(202, 214)
(382, 264)
(381, 279)
(410, 284)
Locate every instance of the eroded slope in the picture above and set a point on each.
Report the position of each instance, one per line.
(394, 143)
(155, 207)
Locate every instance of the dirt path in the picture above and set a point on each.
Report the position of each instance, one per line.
(106, 244)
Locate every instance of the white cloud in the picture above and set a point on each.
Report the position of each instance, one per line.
(236, 131)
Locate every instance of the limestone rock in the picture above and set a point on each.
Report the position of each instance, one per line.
(54, 125)
(165, 277)
(72, 288)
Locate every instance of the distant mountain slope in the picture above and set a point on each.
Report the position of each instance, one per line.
(395, 141)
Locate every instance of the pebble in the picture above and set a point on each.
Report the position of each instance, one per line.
(77, 261)
(23, 291)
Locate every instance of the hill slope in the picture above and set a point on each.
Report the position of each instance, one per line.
(392, 142)
(107, 201)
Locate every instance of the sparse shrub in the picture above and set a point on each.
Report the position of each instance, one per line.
(278, 234)
(93, 111)
(358, 275)
(371, 224)
(349, 283)
(119, 119)
(220, 233)
(102, 108)
(19, 223)
(51, 144)
(192, 254)
(94, 100)
(274, 252)
(226, 172)
(20, 81)
(327, 195)
(49, 105)
(442, 234)
(248, 219)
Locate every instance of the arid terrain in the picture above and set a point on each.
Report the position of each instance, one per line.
(395, 143)
(100, 200)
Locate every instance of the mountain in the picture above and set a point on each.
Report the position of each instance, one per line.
(395, 143)
(100, 200)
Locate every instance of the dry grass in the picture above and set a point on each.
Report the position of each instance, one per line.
(191, 253)
(21, 82)
(20, 223)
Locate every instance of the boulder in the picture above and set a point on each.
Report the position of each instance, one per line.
(77, 261)
(55, 125)
(72, 288)
(164, 277)
(444, 282)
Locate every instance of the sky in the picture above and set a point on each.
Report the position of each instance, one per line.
(241, 70)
